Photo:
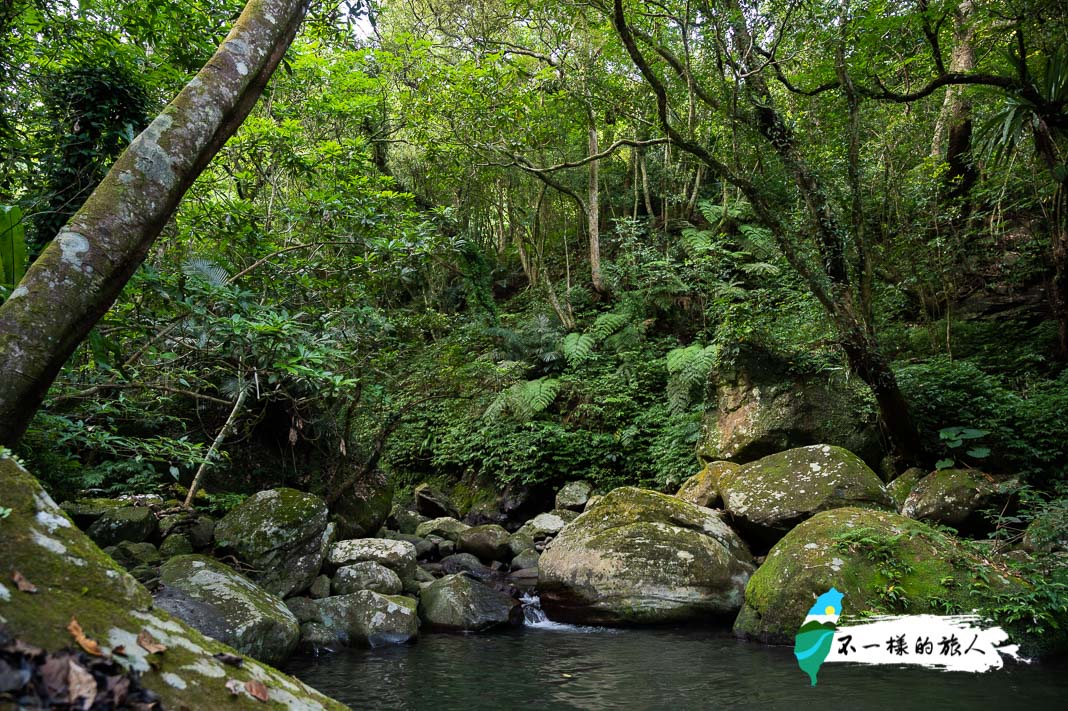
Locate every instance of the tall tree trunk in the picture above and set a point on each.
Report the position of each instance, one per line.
(593, 215)
(956, 113)
(81, 272)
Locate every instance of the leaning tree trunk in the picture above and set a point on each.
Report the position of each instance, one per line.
(80, 274)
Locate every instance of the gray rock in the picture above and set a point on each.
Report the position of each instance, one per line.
(702, 489)
(446, 548)
(362, 618)
(366, 575)
(573, 495)
(526, 559)
(303, 608)
(424, 548)
(900, 488)
(444, 527)
(768, 497)
(489, 542)
(456, 602)
(642, 557)
(546, 525)
(282, 533)
(254, 621)
(175, 544)
(131, 555)
(763, 406)
(404, 520)
(398, 556)
(465, 563)
(320, 587)
(434, 503)
(954, 497)
(132, 523)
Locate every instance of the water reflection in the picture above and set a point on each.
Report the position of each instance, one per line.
(594, 669)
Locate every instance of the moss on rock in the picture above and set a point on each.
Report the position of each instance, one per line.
(882, 562)
(702, 489)
(643, 557)
(74, 578)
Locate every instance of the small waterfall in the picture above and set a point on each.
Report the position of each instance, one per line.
(534, 617)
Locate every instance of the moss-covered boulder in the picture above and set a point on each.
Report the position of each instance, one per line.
(764, 405)
(900, 488)
(444, 527)
(643, 557)
(434, 503)
(221, 603)
(768, 497)
(953, 497)
(282, 534)
(457, 602)
(403, 520)
(398, 556)
(199, 529)
(364, 507)
(85, 512)
(573, 495)
(76, 579)
(366, 575)
(175, 544)
(127, 523)
(362, 618)
(881, 561)
(702, 489)
(130, 555)
(489, 543)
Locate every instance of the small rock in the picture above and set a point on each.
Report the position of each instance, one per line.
(445, 527)
(574, 495)
(320, 587)
(175, 544)
(398, 556)
(456, 602)
(489, 542)
(434, 503)
(133, 523)
(526, 559)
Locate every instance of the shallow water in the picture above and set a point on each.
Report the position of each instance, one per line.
(564, 667)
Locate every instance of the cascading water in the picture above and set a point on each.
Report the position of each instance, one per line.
(534, 616)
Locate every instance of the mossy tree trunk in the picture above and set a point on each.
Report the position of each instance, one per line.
(82, 271)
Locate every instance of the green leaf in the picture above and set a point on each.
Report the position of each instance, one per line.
(979, 452)
(944, 463)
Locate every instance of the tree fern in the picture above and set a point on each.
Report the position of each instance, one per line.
(607, 324)
(525, 399)
(688, 368)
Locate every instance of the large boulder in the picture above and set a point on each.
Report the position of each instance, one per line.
(75, 579)
(768, 497)
(128, 523)
(882, 562)
(221, 603)
(362, 618)
(702, 489)
(457, 602)
(953, 497)
(282, 534)
(489, 543)
(363, 507)
(764, 406)
(643, 557)
(398, 556)
(434, 503)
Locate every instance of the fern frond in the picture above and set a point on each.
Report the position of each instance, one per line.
(697, 242)
(577, 347)
(607, 324)
(688, 368)
(205, 270)
(760, 269)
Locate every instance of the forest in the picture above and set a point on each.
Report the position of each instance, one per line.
(446, 258)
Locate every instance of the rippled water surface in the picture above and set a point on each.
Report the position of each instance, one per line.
(561, 667)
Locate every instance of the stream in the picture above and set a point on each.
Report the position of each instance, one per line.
(548, 665)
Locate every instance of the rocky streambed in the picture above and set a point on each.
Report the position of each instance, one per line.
(739, 551)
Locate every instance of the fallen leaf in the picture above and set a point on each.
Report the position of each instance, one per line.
(234, 686)
(89, 645)
(256, 690)
(120, 650)
(231, 659)
(22, 583)
(80, 685)
(55, 672)
(149, 643)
